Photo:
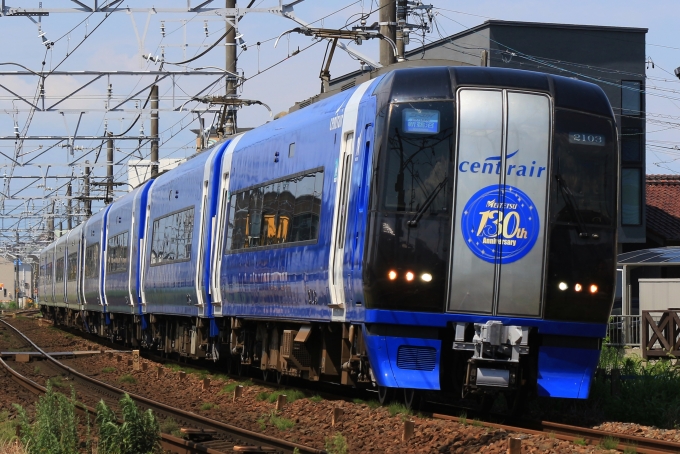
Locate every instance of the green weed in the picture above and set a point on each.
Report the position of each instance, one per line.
(580, 442)
(463, 419)
(291, 395)
(609, 443)
(108, 370)
(280, 422)
(127, 378)
(230, 387)
(262, 395)
(170, 426)
(36, 370)
(7, 431)
(208, 406)
(139, 433)
(316, 398)
(56, 382)
(337, 444)
(477, 423)
(397, 408)
(630, 450)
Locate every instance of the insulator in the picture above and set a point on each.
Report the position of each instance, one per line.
(163, 29)
(205, 27)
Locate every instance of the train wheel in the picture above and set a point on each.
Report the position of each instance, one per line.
(412, 398)
(384, 395)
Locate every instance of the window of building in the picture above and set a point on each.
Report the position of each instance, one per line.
(117, 257)
(631, 144)
(171, 237)
(631, 206)
(631, 98)
(282, 211)
(60, 270)
(72, 266)
(92, 261)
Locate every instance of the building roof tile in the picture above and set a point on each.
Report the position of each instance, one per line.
(663, 206)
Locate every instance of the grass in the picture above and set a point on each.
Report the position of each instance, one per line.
(36, 370)
(7, 430)
(463, 419)
(57, 382)
(477, 423)
(397, 408)
(108, 370)
(280, 422)
(230, 387)
(609, 443)
(201, 373)
(291, 395)
(372, 404)
(208, 406)
(580, 442)
(170, 426)
(630, 450)
(337, 444)
(264, 395)
(12, 447)
(316, 399)
(127, 378)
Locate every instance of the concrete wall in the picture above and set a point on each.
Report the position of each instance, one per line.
(8, 277)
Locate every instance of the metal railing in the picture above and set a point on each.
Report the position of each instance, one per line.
(624, 330)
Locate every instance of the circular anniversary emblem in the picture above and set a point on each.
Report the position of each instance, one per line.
(500, 224)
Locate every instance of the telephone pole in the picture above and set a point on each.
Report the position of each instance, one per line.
(154, 131)
(109, 170)
(388, 28)
(230, 65)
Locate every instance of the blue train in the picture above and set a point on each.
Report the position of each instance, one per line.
(440, 228)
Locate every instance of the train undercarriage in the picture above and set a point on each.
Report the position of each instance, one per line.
(481, 365)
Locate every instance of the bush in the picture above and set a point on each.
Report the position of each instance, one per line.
(139, 434)
(108, 370)
(336, 444)
(54, 430)
(127, 378)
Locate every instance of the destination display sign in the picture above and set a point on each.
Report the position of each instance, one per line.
(421, 121)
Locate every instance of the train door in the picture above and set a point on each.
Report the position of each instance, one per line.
(498, 250)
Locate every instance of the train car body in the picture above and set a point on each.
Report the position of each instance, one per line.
(439, 229)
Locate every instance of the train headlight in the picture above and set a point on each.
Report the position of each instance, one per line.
(578, 287)
(409, 276)
(562, 286)
(426, 277)
(392, 275)
(593, 288)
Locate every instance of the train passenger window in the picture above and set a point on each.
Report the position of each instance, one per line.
(48, 271)
(278, 212)
(117, 256)
(92, 261)
(171, 237)
(60, 270)
(72, 266)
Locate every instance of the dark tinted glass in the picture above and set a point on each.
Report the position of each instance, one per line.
(631, 144)
(417, 154)
(60, 270)
(92, 261)
(171, 238)
(117, 256)
(277, 212)
(584, 176)
(72, 266)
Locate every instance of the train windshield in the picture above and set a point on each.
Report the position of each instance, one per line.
(584, 170)
(419, 143)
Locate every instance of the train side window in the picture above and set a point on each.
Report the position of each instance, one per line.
(278, 212)
(117, 256)
(91, 261)
(171, 237)
(72, 266)
(60, 270)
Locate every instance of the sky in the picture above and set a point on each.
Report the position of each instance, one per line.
(278, 76)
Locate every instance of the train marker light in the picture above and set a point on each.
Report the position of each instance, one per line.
(578, 287)
(409, 276)
(562, 286)
(392, 275)
(426, 277)
(593, 288)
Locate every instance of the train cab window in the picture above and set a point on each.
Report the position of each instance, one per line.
(72, 266)
(117, 256)
(419, 145)
(60, 270)
(171, 237)
(92, 261)
(282, 211)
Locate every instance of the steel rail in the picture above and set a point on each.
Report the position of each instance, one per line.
(566, 432)
(243, 436)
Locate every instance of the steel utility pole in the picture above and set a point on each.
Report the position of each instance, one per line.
(154, 131)
(230, 65)
(69, 206)
(86, 191)
(388, 28)
(109, 170)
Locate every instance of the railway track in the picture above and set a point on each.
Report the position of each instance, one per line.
(225, 437)
(565, 432)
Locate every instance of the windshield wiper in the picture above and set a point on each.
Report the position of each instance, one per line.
(569, 200)
(433, 195)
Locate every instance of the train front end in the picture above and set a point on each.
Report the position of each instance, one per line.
(491, 251)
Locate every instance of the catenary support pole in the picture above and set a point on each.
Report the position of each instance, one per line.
(154, 131)
(230, 65)
(388, 20)
(109, 170)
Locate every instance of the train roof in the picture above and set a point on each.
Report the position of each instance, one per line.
(406, 84)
